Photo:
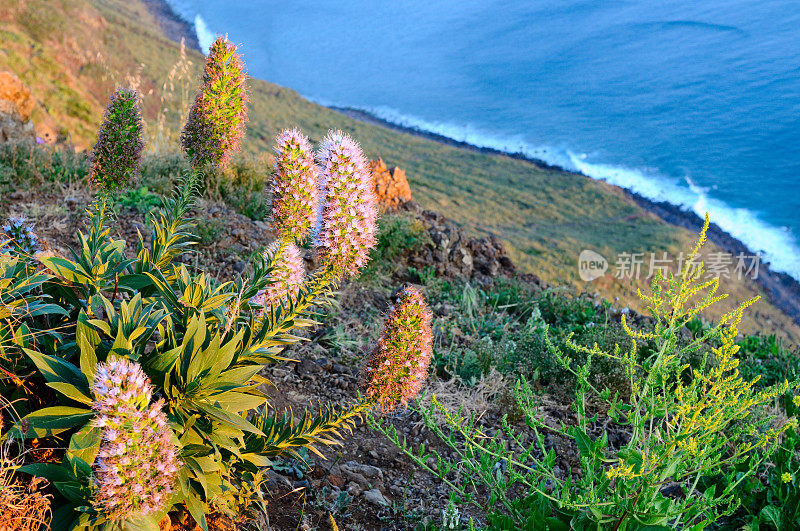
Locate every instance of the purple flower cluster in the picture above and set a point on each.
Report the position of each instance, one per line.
(294, 185)
(19, 237)
(137, 464)
(216, 122)
(398, 367)
(349, 206)
(287, 275)
(115, 158)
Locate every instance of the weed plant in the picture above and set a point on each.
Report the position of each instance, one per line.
(693, 433)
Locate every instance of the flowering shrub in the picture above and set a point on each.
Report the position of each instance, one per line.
(347, 228)
(216, 122)
(294, 186)
(136, 465)
(149, 371)
(399, 363)
(116, 156)
(690, 436)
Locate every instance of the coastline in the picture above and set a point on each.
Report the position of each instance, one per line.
(173, 25)
(780, 289)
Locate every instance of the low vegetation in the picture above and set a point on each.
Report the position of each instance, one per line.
(135, 377)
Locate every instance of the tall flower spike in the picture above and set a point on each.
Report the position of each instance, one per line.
(294, 186)
(137, 463)
(115, 158)
(399, 363)
(349, 206)
(216, 122)
(287, 275)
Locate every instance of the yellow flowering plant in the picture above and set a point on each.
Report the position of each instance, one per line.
(686, 437)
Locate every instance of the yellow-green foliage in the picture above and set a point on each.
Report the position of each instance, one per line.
(699, 429)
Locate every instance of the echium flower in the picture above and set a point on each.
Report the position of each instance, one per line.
(18, 236)
(216, 122)
(349, 206)
(294, 185)
(137, 464)
(286, 276)
(398, 366)
(115, 158)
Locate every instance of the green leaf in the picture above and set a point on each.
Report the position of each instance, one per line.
(70, 391)
(134, 282)
(197, 509)
(85, 444)
(53, 420)
(585, 444)
(258, 460)
(50, 471)
(227, 417)
(238, 402)
(73, 491)
(45, 309)
(87, 340)
(193, 295)
(773, 516)
(164, 361)
(65, 269)
(58, 370)
(64, 517)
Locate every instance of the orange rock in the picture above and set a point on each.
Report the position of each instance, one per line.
(391, 186)
(15, 96)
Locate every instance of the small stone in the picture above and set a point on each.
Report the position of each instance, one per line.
(375, 497)
(301, 484)
(354, 489)
(325, 363)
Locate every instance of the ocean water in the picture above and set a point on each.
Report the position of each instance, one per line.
(694, 102)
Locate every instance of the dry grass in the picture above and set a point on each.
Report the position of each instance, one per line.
(22, 507)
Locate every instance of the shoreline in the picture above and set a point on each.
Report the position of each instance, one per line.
(779, 288)
(172, 24)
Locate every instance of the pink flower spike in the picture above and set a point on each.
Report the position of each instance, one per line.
(133, 441)
(286, 276)
(398, 367)
(294, 186)
(349, 206)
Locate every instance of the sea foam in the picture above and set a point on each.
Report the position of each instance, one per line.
(204, 35)
(777, 245)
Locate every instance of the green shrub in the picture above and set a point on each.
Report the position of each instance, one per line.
(397, 235)
(701, 432)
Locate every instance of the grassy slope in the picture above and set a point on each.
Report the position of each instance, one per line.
(72, 53)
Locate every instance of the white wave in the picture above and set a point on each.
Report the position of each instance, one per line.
(204, 35)
(777, 245)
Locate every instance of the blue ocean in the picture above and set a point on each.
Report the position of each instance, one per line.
(694, 102)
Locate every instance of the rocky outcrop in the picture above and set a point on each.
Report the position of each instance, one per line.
(15, 96)
(391, 185)
(16, 106)
(451, 253)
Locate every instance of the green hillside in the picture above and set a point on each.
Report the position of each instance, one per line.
(73, 52)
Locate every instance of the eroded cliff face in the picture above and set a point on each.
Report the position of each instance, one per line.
(16, 106)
